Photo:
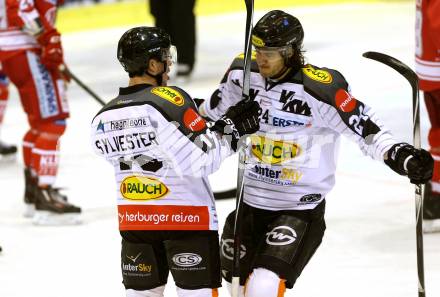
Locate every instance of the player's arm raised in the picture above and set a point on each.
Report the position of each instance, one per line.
(358, 121)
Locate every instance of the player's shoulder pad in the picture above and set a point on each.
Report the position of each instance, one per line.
(172, 102)
(238, 62)
(168, 100)
(178, 107)
(323, 83)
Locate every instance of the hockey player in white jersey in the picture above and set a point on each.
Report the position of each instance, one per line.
(162, 151)
(291, 161)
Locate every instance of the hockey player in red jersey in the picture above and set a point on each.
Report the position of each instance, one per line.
(6, 151)
(162, 152)
(291, 164)
(428, 70)
(30, 54)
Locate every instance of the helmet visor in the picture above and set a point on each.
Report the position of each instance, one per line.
(274, 53)
(169, 54)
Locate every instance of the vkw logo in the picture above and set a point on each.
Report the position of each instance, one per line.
(227, 249)
(281, 235)
(186, 259)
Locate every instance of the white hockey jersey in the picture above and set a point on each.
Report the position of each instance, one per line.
(291, 161)
(162, 152)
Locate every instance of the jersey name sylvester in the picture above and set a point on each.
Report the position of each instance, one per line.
(122, 143)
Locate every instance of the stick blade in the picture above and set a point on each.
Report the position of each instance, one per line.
(397, 65)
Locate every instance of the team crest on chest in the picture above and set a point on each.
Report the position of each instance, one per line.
(271, 151)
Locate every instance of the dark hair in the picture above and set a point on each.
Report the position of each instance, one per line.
(141, 72)
(297, 60)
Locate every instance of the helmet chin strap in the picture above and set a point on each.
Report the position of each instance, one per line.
(280, 74)
(159, 77)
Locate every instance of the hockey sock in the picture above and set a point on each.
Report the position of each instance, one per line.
(432, 100)
(264, 283)
(4, 94)
(28, 144)
(435, 182)
(45, 153)
(434, 142)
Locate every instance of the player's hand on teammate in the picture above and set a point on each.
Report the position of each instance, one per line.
(51, 49)
(404, 159)
(199, 104)
(239, 120)
(198, 101)
(245, 115)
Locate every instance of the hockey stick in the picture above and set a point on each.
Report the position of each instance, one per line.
(235, 289)
(68, 73)
(228, 194)
(412, 78)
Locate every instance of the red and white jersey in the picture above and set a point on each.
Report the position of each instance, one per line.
(292, 159)
(162, 153)
(428, 44)
(22, 20)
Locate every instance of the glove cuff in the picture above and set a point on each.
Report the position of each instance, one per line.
(225, 126)
(49, 37)
(398, 156)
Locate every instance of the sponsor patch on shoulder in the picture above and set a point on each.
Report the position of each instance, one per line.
(169, 94)
(193, 120)
(319, 75)
(344, 101)
(253, 56)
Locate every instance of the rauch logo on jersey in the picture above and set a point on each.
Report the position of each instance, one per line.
(193, 120)
(281, 235)
(344, 101)
(169, 94)
(273, 152)
(142, 188)
(318, 75)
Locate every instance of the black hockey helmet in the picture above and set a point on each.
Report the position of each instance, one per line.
(138, 45)
(277, 29)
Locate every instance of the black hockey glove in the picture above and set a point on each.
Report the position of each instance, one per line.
(201, 109)
(239, 120)
(198, 102)
(407, 160)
